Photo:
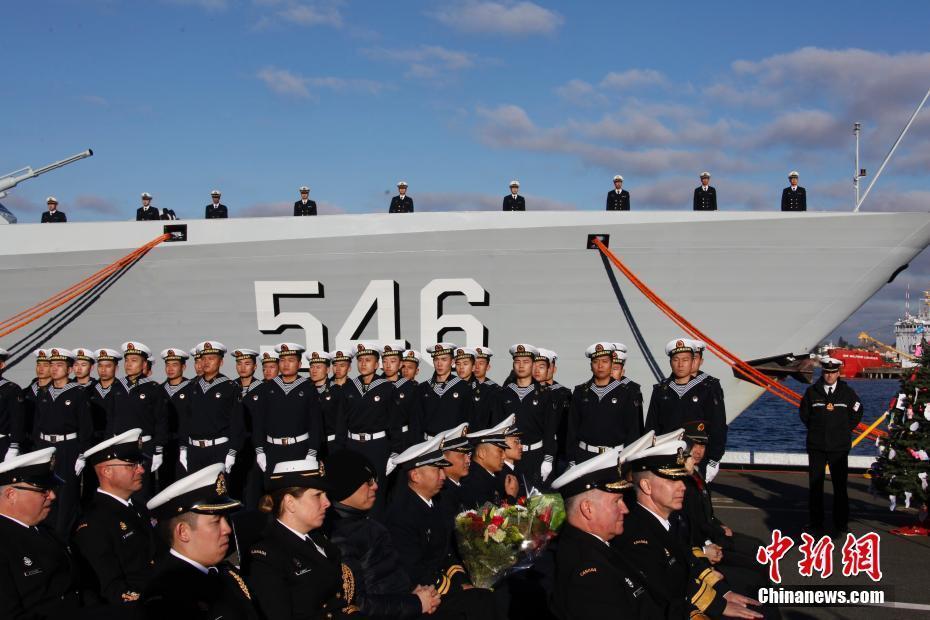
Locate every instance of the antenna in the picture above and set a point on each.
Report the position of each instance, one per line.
(907, 300)
(860, 172)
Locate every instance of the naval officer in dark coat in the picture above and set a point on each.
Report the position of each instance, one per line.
(793, 197)
(146, 212)
(12, 420)
(305, 206)
(705, 195)
(514, 201)
(38, 578)
(401, 203)
(53, 215)
(215, 210)
(114, 536)
(618, 199)
(830, 410)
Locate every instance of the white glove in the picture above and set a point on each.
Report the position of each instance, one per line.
(157, 460)
(11, 453)
(261, 460)
(183, 458)
(79, 465)
(545, 470)
(230, 461)
(713, 467)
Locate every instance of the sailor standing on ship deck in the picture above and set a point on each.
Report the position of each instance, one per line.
(215, 210)
(304, 206)
(514, 201)
(53, 215)
(830, 410)
(618, 199)
(146, 211)
(705, 195)
(793, 197)
(401, 203)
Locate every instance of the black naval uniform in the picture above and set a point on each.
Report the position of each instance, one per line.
(249, 476)
(12, 422)
(603, 417)
(291, 578)
(593, 580)
(514, 203)
(485, 397)
(146, 213)
(211, 423)
(30, 396)
(175, 398)
(100, 400)
(441, 406)
(287, 421)
(404, 405)
(480, 486)
(178, 589)
(536, 418)
(830, 419)
(794, 199)
(305, 208)
(401, 205)
(216, 212)
(366, 423)
(705, 200)
(117, 543)
(139, 402)
(38, 578)
(330, 396)
(618, 200)
(672, 405)
(55, 217)
(62, 420)
(562, 399)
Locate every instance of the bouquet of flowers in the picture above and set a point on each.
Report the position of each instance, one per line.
(496, 541)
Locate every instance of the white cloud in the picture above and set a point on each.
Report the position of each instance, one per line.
(509, 18)
(283, 82)
(207, 5)
(426, 61)
(287, 83)
(301, 13)
(632, 78)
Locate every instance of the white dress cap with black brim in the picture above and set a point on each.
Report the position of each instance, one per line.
(85, 354)
(133, 347)
(679, 345)
(124, 447)
(305, 474)
(411, 356)
(830, 364)
(497, 434)
(60, 354)
(174, 354)
(343, 355)
(545, 354)
(523, 350)
(36, 468)
(603, 472)
(242, 354)
(441, 348)
(41, 355)
(463, 352)
(269, 357)
(665, 459)
(367, 348)
(699, 345)
(456, 439)
(317, 357)
(393, 348)
(211, 347)
(283, 349)
(484, 352)
(426, 453)
(599, 349)
(203, 492)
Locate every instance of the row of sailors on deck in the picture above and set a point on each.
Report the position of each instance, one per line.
(640, 539)
(793, 198)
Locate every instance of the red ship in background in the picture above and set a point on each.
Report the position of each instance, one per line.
(855, 360)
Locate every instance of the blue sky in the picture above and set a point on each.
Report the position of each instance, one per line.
(257, 97)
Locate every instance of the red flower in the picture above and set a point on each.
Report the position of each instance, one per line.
(497, 520)
(521, 500)
(546, 516)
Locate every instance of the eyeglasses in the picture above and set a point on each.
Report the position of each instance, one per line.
(132, 465)
(45, 492)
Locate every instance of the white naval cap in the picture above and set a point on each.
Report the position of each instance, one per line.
(401, 184)
(304, 188)
(132, 347)
(830, 363)
(174, 354)
(367, 348)
(242, 353)
(269, 356)
(306, 473)
(422, 454)
(126, 446)
(411, 356)
(484, 352)
(211, 346)
(289, 348)
(619, 346)
(215, 192)
(195, 353)
(523, 350)
(456, 439)
(4, 354)
(618, 177)
(85, 354)
(664, 458)
(699, 345)
(497, 434)
(318, 357)
(41, 355)
(203, 492)
(393, 348)
(51, 200)
(598, 349)
(60, 354)
(705, 175)
(343, 355)
(619, 356)
(645, 441)
(605, 472)
(108, 355)
(36, 468)
(515, 183)
(146, 195)
(793, 174)
(679, 345)
(546, 354)
(462, 352)
(441, 348)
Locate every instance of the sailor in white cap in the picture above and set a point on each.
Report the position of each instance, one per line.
(415, 509)
(53, 215)
(535, 413)
(319, 362)
(39, 384)
(216, 210)
(682, 397)
(484, 480)
(401, 203)
(514, 201)
(410, 365)
(392, 354)
(483, 357)
(544, 369)
(42, 577)
(175, 361)
(712, 383)
(198, 362)
(618, 199)
(652, 538)
(211, 425)
(146, 211)
(63, 421)
(246, 362)
(269, 361)
(705, 195)
(592, 580)
(342, 364)
(793, 197)
(192, 580)
(12, 420)
(830, 411)
(457, 449)
(84, 360)
(304, 206)
(444, 401)
(619, 360)
(113, 535)
(100, 394)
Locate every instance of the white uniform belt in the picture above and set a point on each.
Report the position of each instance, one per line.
(57, 438)
(330, 438)
(594, 449)
(206, 443)
(532, 446)
(286, 441)
(367, 436)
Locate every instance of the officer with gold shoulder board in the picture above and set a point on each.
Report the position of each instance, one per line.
(793, 197)
(618, 199)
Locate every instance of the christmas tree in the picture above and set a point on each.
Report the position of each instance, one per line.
(901, 470)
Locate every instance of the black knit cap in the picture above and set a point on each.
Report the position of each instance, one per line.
(347, 470)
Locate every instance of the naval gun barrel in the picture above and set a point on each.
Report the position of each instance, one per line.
(11, 180)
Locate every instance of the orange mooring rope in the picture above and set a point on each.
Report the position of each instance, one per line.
(27, 316)
(729, 358)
